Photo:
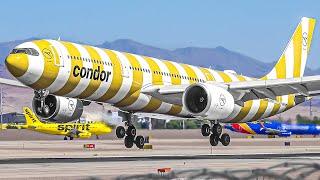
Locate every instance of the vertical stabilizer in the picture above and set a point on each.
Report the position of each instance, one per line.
(31, 118)
(293, 60)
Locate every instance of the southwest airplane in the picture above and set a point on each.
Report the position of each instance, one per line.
(274, 128)
(71, 130)
(66, 76)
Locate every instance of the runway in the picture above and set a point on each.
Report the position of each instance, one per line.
(49, 159)
(160, 158)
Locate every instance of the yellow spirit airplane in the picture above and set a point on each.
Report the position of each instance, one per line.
(71, 130)
(67, 76)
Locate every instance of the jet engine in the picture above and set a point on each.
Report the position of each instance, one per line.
(209, 101)
(58, 109)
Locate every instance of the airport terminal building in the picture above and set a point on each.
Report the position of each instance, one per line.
(13, 117)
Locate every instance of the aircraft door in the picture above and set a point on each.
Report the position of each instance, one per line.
(125, 70)
(59, 57)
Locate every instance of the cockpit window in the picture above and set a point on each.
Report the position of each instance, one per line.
(29, 51)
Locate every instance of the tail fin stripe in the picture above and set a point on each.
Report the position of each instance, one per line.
(305, 43)
(289, 56)
(297, 46)
(281, 68)
(271, 75)
(311, 23)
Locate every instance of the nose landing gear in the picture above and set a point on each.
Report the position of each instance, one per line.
(214, 132)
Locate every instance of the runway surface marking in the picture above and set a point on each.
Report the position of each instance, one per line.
(157, 157)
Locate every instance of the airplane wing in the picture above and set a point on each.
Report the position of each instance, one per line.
(272, 131)
(73, 133)
(260, 89)
(245, 90)
(12, 83)
(279, 132)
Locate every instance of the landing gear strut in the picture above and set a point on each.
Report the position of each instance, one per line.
(129, 133)
(41, 95)
(214, 132)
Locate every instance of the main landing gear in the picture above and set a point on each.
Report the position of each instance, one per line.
(214, 132)
(66, 138)
(129, 133)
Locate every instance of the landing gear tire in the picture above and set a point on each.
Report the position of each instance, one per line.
(139, 142)
(214, 140)
(120, 132)
(225, 139)
(205, 130)
(128, 141)
(71, 138)
(131, 131)
(217, 130)
(65, 138)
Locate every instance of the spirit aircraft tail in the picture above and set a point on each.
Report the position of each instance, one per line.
(31, 118)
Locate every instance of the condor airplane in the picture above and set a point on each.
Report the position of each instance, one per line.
(66, 76)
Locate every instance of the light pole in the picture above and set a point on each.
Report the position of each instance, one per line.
(1, 99)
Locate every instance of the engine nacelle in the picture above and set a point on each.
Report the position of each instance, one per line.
(58, 109)
(208, 101)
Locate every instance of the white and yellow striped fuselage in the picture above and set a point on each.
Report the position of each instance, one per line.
(108, 76)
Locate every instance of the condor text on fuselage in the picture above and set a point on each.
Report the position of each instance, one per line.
(89, 73)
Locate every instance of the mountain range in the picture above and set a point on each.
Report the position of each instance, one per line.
(219, 58)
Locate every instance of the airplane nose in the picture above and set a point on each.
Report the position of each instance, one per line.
(17, 64)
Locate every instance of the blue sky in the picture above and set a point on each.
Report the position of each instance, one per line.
(255, 28)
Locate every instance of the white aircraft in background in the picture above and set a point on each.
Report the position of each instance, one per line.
(66, 76)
